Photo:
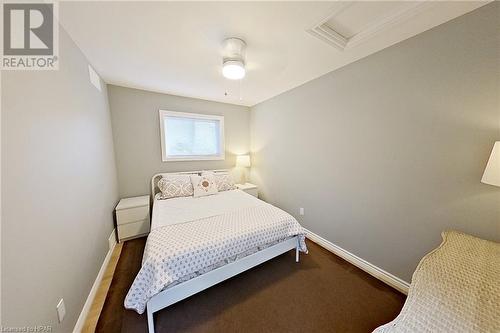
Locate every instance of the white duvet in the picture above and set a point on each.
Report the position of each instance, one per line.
(186, 209)
(191, 236)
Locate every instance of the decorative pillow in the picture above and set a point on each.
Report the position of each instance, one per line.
(223, 180)
(174, 186)
(204, 185)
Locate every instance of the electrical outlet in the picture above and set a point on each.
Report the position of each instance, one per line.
(61, 310)
(301, 211)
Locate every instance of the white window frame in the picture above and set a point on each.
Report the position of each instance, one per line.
(165, 158)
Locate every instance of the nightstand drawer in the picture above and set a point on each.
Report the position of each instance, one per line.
(133, 229)
(129, 215)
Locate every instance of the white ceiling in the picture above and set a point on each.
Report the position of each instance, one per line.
(175, 47)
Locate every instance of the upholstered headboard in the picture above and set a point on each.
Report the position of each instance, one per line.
(158, 176)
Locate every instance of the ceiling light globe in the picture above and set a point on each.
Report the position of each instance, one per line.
(233, 70)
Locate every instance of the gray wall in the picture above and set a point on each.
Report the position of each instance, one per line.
(59, 189)
(136, 134)
(387, 152)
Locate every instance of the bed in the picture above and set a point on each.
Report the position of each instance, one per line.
(455, 288)
(196, 243)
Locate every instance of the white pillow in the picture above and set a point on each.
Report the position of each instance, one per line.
(223, 180)
(173, 186)
(204, 185)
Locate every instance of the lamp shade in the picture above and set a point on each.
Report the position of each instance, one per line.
(243, 161)
(491, 174)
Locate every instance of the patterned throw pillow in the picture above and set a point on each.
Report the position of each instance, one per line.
(175, 186)
(204, 185)
(223, 180)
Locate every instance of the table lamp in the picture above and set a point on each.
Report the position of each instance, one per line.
(243, 161)
(491, 174)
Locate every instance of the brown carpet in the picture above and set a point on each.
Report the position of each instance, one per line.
(322, 293)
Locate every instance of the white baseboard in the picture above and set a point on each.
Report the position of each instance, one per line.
(93, 291)
(371, 269)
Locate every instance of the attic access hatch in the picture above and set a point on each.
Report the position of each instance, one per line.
(352, 23)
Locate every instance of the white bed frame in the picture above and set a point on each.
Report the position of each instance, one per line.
(195, 285)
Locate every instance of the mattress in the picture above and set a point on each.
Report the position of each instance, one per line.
(192, 236)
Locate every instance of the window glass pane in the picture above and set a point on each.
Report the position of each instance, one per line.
(190, 136)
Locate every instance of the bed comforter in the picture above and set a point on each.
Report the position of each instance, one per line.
(455, 288)
(178, 252)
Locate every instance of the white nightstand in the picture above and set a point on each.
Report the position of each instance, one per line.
(132, 217)
(249, 188)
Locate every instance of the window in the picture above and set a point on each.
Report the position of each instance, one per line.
(191, 136)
